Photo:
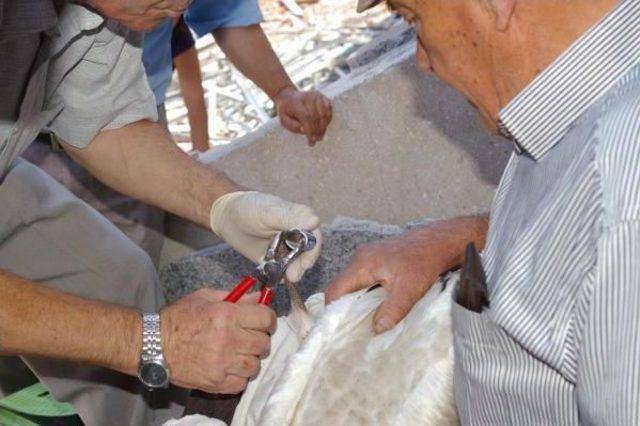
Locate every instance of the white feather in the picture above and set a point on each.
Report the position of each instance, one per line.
(344, 374)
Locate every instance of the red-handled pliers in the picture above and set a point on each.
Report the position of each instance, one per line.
(284, 248)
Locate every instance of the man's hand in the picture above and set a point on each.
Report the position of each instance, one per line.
(407, 265)
(215, 346)
(406, 271)
(307, 113)
(140, 15)
(248, 220)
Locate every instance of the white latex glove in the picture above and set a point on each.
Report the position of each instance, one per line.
(248, 220)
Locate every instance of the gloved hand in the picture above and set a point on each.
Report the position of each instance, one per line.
(248, 220)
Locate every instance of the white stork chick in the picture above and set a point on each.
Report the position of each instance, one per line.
(344, 374)
(341, 373)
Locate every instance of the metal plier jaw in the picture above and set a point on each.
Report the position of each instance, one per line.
(284, 248)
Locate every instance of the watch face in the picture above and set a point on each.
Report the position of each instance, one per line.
(154, 374)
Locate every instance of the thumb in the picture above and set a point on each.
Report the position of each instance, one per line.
(210, 294)
(290, 123)
(395, 307)
(351, 279)
(296, 269)
(281, 215)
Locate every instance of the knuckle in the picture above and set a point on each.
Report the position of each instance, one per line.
(234, 385)
(225, 313)
(261, 345)
(252, 365)
(266, 318)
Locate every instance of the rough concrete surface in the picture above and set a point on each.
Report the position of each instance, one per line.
(221, 267)
(400, 146)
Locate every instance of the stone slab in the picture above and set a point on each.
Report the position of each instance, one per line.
(221, 267)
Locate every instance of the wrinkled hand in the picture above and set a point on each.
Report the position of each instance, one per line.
(215, 346)
(400, 265)
(140, 15)
(308, 113)
(248, 220)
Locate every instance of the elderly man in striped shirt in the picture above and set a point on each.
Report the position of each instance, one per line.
(559, 342)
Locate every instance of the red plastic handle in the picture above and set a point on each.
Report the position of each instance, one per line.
(266, 296)
(240, 290)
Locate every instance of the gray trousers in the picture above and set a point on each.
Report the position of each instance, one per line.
(51, 237)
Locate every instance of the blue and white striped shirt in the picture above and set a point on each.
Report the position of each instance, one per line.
(560, 341)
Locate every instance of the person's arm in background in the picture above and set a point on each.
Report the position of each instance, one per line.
(190, 79)
(229, 338)
(248, 48)
(407, 265)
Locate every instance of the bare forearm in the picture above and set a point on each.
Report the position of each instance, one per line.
(141, 160)
(36, 320)
(249, 50)
(190, 78)
(450, 237)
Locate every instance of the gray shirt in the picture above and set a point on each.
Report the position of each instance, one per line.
(85, 76)
(560, 341)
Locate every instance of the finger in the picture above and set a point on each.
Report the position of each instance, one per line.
(256, 317)
(250, 298)
(313, 115)
(324, 124)
(232, 385)
(290, 123)
(395, 307)
(306, 130)
(245, 366)
(210, 294)
(301, 112)
(296, 269)
(321, 113)
(353, 278)
(281, 215)
(254, 343)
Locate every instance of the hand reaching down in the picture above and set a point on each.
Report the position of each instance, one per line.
(308, 113)
(407, 265)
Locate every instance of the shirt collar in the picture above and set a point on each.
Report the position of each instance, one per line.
(539, 116)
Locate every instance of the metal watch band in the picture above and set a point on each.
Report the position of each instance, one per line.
(151, 337)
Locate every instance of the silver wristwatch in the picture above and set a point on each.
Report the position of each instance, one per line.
(152, 371)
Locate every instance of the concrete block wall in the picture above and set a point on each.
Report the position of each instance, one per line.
(402, 146)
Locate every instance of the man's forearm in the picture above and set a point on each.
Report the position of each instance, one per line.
(36, 320)
(451, 237)
(250, 51)
(141, 160)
